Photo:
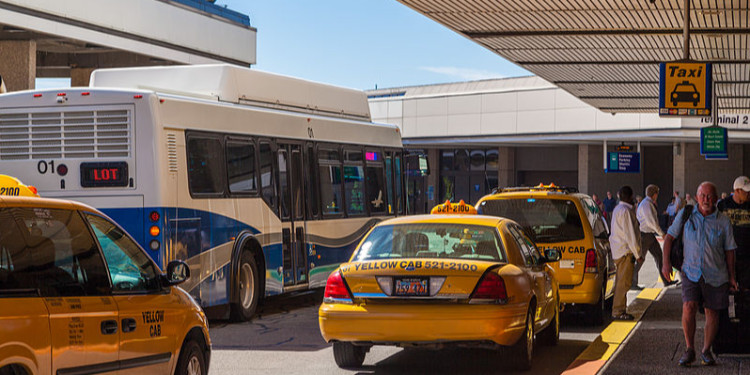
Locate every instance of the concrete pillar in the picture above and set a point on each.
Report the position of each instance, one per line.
(583, 168)
(18, 64)
(678, 170)
(80, 76)
(506, 166)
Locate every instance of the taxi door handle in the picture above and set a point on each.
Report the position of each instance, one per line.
(128, 325)
(109, 327)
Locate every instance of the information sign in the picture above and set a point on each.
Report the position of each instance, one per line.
(685, 89)
(713, 140)
(624, 162)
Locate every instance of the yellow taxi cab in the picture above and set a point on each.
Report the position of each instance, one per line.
(561, 218)
(449, 278)
(79, 296)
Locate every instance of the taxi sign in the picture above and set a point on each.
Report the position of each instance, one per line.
(685, 89)
(454, 208)
(14, 187)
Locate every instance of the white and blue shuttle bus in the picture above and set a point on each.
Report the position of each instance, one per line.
(261, 183)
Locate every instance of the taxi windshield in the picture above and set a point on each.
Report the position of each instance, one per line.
(545, 220)
(432, 240)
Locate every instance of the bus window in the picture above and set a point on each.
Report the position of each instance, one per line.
(375, 180)
(389, 181)
(354, 177)
(267, 179)
(284, 192)
(205, 166)
(241, 167)
(399, 186)
(312, 183)
(329, 167)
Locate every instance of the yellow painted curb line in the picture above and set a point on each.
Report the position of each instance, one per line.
(596, 355)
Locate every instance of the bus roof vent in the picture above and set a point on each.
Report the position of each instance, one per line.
(240, 85)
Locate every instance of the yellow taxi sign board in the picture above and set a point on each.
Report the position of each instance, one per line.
(685, 89)
(454, 208)
(14, 187)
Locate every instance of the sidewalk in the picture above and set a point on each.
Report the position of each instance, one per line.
(653, 344)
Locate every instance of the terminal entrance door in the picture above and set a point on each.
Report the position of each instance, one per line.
(292, 213)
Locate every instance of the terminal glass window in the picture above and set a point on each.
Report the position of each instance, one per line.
(468, 174)
(241, 167)
(329, 170)
(130, 268)
(432, 240)
(205, 165)
(545, 220)
(477, 160)
(49, 253)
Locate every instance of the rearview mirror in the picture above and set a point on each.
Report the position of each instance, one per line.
(552, 255)
(177, 272)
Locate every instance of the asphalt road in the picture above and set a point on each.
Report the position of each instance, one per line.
(284, 338)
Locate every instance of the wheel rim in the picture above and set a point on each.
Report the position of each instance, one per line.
(529, 335)
(194, 366)
(247, 285)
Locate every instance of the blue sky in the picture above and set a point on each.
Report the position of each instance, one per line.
(360, 44)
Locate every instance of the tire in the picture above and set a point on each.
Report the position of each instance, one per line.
(597, 311)
(13, 370)
(348, 355)
(522, 352)
(192, 360)
(551, 335)
(248, 288)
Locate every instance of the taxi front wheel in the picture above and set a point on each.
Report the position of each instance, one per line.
(192, 360)
(348, 355)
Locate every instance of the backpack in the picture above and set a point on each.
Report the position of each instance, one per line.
(676, 255)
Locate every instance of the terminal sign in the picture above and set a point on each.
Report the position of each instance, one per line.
(624, 162)
(714, 140)
(684, 89)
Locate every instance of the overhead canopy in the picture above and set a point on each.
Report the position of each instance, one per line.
(606, 52)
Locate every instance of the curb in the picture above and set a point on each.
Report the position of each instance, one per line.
(601, 350)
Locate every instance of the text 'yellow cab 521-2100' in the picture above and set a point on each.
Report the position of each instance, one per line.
(79, 296)
(442, 279)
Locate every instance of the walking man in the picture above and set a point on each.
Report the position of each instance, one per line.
(707, 268)
(649, 227)
(737, 208)
(609, 205)
(625, 242)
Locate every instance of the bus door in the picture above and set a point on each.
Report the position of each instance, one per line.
(292, 213)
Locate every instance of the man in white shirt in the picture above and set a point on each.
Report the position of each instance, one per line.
(625, 242)
(649, 228)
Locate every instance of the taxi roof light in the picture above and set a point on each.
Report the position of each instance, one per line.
(14, 187)
(541, 187)
(491, 287)
(336, 289)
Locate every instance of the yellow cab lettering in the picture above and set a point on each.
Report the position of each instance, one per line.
(154, 318)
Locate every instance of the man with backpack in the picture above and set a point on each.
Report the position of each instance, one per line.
(707, 270)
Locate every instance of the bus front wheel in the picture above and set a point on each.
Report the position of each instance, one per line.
(248, 288)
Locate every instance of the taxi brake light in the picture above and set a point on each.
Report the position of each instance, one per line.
(591, 263)
(491, 287)
(336, 290)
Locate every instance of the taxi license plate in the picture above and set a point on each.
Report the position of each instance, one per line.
(411, 286)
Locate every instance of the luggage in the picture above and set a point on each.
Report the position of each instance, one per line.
(734, 326)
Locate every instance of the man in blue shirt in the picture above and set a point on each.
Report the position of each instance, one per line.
(707, 269)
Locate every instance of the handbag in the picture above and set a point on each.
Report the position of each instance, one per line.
(676, 253)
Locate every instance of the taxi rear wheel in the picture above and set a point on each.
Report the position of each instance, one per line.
(598, 310)
(248, 285)
(348, 355)
(523, 350)
(192, 360)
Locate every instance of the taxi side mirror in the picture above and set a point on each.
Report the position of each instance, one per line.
(177, 272)
(552, 255)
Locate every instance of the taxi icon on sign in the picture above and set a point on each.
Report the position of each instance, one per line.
(685, 92)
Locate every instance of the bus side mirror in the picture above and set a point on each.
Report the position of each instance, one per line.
(177, 272)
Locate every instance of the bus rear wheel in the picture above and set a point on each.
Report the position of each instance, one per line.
(248, 288)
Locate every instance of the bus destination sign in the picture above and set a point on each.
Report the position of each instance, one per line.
(107, 174)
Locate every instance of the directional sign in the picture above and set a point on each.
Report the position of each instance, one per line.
(713, 140)
(685, 89)
(623, 162)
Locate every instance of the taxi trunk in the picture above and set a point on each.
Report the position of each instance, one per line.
(422, 301)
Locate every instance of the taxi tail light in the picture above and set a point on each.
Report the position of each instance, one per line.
(336, 289)
(491, 287)
(592, 265)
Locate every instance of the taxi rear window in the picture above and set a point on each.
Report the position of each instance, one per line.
(432, 240)
(545, 220)
(49, 253)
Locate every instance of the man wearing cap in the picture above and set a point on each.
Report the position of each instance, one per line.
(737, 208)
